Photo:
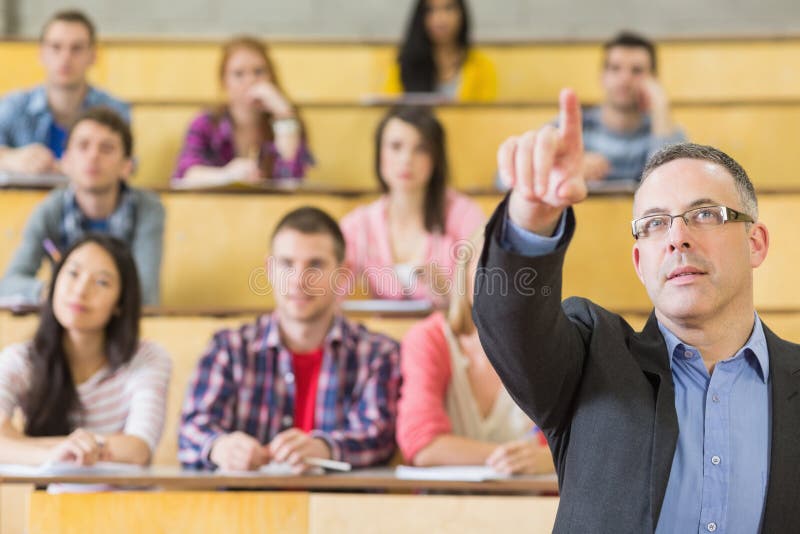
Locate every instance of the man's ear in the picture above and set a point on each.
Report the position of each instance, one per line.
(92, 54)
(127, 169)
(636, 257)
(759, 244)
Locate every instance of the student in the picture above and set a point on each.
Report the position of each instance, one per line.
(88, 388)
(634, 121)
(403, 244)
(437, 56)
(256, 134)
(453, 408)
(34, 123)
(97, 162)
(300, 382)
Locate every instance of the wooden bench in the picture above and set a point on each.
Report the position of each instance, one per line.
(708, 70)
(207, 265)
(759, 135)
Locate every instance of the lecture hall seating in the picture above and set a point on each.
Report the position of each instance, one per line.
(195, 275)
(740, 95)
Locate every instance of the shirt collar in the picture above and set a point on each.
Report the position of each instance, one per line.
(756, 345)
(271, 336)
(593, 117)
(124, 188)
(37, 103)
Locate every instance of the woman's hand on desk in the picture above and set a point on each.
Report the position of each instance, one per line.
(80, 447)
(239, 452)
(523, 457)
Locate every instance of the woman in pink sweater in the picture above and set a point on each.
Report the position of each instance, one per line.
(453, 408)
(403, 245)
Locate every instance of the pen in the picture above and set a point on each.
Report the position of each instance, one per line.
(328, 464)
(51, 249)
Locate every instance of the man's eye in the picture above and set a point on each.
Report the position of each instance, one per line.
(704, 214)
(708, 216)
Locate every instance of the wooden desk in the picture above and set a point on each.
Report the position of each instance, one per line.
(187, 501)
(377, 479)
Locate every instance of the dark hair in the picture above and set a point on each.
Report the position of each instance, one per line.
(417, 67)
(74, 16)
(629, 39)
(744, 187)
(53, 397)
(110, 119)
(311, 220)
(432, 133)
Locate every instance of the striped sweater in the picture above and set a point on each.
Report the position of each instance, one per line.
(131, 400)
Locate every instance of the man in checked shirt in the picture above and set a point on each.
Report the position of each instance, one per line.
(298, 383)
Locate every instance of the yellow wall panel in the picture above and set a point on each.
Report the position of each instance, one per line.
(694, 71)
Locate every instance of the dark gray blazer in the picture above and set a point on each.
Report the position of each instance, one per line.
(603, 395)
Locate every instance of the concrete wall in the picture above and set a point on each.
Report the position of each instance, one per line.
(385, 19)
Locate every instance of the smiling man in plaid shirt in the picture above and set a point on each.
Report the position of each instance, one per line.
(300, 382)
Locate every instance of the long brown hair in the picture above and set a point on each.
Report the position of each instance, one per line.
(432, 133)
(53, 397)
(266, 135)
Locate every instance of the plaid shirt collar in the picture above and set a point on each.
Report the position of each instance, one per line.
(270, 336)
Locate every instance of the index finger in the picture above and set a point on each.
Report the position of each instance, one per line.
(570, 121)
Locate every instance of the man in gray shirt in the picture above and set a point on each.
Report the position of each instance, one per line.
(634, 120)
(97, 160)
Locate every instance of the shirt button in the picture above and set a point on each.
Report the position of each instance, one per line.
(712, 527)
(715, 460)
(289, 378)
(687, 354)
(287, 420)
(715, 398)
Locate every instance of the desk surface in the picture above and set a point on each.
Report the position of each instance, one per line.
(360, 479)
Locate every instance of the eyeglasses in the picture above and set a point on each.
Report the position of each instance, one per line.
(702, 218)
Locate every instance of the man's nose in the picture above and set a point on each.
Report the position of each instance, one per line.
(679, 234)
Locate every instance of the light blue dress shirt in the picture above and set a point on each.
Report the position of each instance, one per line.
(719, 472)
(25, 116)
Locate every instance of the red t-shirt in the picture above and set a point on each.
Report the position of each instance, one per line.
(306, 378)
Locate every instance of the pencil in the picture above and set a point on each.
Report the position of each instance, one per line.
(328, 464)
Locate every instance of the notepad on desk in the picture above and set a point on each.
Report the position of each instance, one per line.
(449, 473)
(387, 306)
(69, 469)
(19, 179)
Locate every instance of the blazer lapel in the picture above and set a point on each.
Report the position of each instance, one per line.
(651, 350)
(783, 491)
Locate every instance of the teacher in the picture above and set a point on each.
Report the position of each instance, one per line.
(692, 424)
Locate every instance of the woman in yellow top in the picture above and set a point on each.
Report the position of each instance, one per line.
(436, 56)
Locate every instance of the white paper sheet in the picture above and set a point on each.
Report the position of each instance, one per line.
(68, 469)
(456, 473)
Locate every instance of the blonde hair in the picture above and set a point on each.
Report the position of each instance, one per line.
(459, 315)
